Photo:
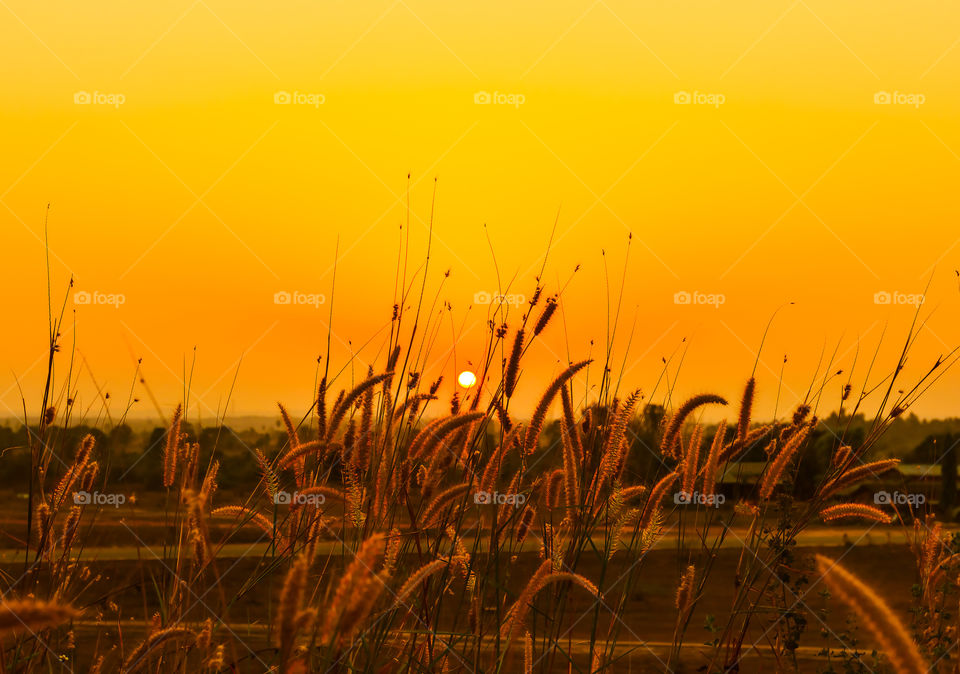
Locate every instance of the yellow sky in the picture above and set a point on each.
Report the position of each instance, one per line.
(178, 181)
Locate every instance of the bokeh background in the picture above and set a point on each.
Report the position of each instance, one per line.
(201, 156)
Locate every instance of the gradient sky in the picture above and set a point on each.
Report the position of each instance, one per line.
(185, 187)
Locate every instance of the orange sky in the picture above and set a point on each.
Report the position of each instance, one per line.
(179, 182)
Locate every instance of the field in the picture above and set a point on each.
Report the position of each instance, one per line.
(128, 547)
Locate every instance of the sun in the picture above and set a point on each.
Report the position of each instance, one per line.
(467, 379)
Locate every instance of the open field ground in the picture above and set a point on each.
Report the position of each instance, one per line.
(646, 641)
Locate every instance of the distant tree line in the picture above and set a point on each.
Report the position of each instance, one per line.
(134, 457)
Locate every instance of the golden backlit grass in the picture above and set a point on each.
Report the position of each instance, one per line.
(429, 502)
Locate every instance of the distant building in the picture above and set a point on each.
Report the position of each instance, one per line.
(739, 480)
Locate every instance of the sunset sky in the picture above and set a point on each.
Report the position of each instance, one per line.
(201, 156)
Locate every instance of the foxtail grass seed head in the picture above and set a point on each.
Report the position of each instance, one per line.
(431, 438)
(204, 635)
(777, 467)
(242, 515)
(141, 654)
(491, 472)
(746, 409)
(545, 575)
(571, 469)
(540, 413)
(545, 316)
(553, 488)
(685, 590)
(351, 599)
(291, 599)
(851, 476)
(875, 614)
(655, 500)
(44, 516)
(841, 455)
(393, 359)
(70, 528)
(218, 659)
(89, 476)
(855, 510)
(417, 578)
(392, 550)
(84, 451)
(171, 449)
(574, 429)
(513, 365)
(536, 295)
(269, 476)
(614, 450)
(442, 503)
(292, 439)
(74, 471)
(671, 435)
(713, 459)
(412, 405)
(526, 522)
(344, 403)
(692, 460)
(34, 615)
(322, 409)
